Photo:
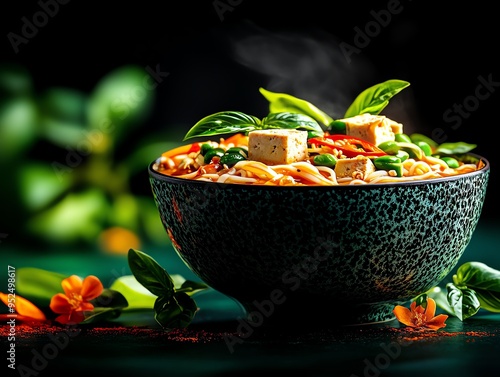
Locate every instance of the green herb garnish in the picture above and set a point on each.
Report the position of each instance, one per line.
(289, 112)
(174, 307)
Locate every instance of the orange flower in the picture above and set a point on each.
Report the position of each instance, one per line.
(74, 302)
(25, 309)
(419, 317)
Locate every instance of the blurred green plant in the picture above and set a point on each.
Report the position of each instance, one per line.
(74, 163)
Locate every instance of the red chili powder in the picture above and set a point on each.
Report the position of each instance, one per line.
(411, 334)
(35, 329)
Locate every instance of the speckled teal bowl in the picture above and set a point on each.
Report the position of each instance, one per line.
(310, 255)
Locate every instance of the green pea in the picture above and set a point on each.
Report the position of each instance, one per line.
(426, 148)
(205, 148)
(240, 150)
(207, 158)
(402, 155)
(420, 137)
(325, 159)
(232, 158)
(386, 160)
(404, 138)
(451, 162)
(389, 163)
(413, 150)
(337, 127)
(389, 147)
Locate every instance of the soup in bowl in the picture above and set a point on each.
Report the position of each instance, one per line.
(299, 239)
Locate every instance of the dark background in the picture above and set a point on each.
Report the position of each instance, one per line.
(214, 55)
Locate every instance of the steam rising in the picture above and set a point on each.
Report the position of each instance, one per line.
(308, 65)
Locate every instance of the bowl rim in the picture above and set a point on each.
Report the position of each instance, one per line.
(171, 179)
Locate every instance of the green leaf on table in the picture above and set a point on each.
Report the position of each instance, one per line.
(137, 296)
(293, 121)
(107, 306)
(102, 314)
(224, 122)
(286, 103)
(150, 274)
(176, 311)
(174, 307)
(375, 98)
(440, 296)
(421, 300)
(190, 287)
(484, 280)
(463, 301)
(38, 285)
(110, 298)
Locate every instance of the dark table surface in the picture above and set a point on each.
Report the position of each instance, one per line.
(216, 344)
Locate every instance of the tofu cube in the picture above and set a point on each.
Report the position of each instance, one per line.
(396, 127)
(277, 146)
(373, 128)
(358, 167)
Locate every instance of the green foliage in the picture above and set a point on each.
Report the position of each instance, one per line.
(375, 98)
(224, 122)
(173, 307)
(38, 285)
(149, 289)
(236, 122)
(475, 286)
(286, 103)
(66, 154)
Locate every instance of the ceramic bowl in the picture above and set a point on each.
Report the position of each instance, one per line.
(305, 255)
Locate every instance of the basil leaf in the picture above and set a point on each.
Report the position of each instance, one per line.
(176, 311)
(484, 280)
(191, 287)
(489, 300)
(286, 103)
(440, 296)
(421, 300)
(137, 296)
(38, 285)
(150, 274)
(375, 98)
(463, 301)
(454, 148)
(107, 306)
(102, 314)
(110, 298)
(222, 123)
(293, 121)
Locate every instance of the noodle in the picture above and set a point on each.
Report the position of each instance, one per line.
(191, 166)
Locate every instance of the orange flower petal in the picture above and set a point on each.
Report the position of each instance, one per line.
(437, 322)
(25, 307)
(4, 298)
(431, 309)
(72, 284)
(404, 315)
(72, 318)
(59, 304)
(86, 307)
(91, 288)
